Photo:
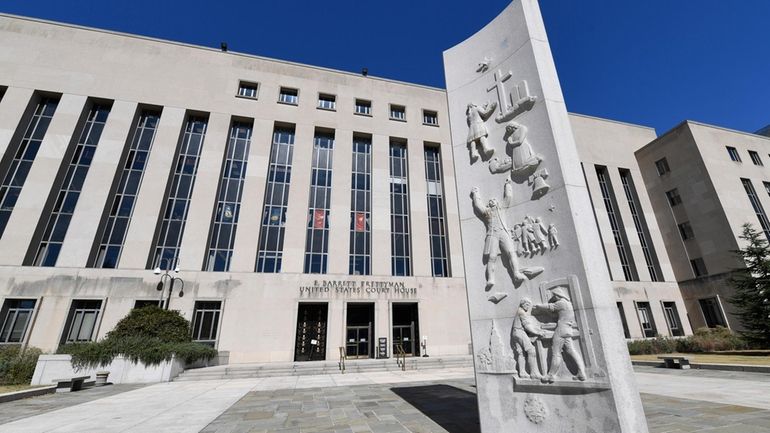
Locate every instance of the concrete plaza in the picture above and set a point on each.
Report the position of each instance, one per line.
(411, 401)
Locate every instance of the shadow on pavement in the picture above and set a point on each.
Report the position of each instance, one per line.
(452, 408)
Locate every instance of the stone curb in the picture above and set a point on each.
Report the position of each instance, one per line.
(724, 367)
(26, 393)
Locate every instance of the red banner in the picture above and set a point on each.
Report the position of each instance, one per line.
(319, 217)
(360, 222)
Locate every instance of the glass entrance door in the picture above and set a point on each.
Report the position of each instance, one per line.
(359, 333)
(404, 335)
(310, 343)
(359, 342)
(406, 328)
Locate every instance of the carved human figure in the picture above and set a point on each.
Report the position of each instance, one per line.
(540, 233)
(526, 328)
(518, 237)
(529, 233)
(553, 240)
(477, 130)
(498, 242)
(566, 330)
(522, 156)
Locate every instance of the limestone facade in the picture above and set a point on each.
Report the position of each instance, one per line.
(259, 312)
(704, 183)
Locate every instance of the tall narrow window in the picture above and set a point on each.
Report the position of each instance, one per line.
(14, 319)
(733, 152)
(273, 227)
(623, 321)
(400, 243)
(685, 229)
(712, 312)
(641, 225)
(662, 166)
(225, 223)
(673, 197)
(758, 209)
(82, 321)
(319, 203)
(23, 154)
(205, 322)
(616, 223)
(58, 221)
(672, 319)
(755, 158)
(121, 208)
(646, 320)
(698, 267)
(436, 220)
(361, 207)
(169, 237)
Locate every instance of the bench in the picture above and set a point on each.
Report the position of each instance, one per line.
(70, 384)
(680, 362)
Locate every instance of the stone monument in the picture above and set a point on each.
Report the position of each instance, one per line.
(548, 344)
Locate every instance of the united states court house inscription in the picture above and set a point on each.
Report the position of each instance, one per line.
(548, 344)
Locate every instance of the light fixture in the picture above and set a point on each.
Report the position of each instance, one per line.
(156, 271)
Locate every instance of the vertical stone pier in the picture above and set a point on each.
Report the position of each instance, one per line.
(548, 344)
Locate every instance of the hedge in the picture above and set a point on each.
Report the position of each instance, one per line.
(704, 340)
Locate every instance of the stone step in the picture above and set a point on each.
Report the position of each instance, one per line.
(282, 369)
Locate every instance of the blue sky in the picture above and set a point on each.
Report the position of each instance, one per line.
(653, 62)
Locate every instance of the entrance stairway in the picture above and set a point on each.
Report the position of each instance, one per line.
(273, 369)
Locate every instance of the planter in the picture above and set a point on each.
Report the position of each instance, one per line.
(121, 370)
(101, 378)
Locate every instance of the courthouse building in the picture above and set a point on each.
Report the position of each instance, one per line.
(287, 210)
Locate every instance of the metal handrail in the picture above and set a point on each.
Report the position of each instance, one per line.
(400, 356)
(342, 359)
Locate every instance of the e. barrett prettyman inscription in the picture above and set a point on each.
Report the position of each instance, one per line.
(325, 288)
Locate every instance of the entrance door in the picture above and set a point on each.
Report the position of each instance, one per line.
(360, 329)
(310, 344)
(406, 328)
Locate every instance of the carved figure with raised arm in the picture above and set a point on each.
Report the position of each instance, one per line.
(498, 242)
(476, 117)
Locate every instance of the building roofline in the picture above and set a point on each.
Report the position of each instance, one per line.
(620, 122)
(693, 122)
(200, 47)
(687, 122)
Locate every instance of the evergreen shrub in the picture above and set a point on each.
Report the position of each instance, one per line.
(17, 364)
(150, 335)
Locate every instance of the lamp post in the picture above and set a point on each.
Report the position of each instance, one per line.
(166, 275)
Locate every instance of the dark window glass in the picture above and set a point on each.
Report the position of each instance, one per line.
(616, 224)
(400, 242)
(225, 222)
(50, 244)
(26, 151)
(113, 235)
(438, 242)
(270, 254)
(360, 207)
(166, 253)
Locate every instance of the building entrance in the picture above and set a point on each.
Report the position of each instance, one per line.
(310, 344)
(360, 329)
(406, 330)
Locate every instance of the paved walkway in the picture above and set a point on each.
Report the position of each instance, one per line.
(434, 401)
